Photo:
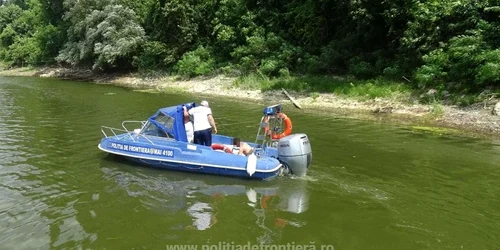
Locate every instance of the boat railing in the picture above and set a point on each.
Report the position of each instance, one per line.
(133, 135)
(125, 123)
(268, 126)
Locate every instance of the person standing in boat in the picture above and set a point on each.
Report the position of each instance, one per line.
(203, 123)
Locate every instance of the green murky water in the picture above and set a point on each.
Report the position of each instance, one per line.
(370, 186)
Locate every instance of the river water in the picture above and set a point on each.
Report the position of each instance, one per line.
(370, 186)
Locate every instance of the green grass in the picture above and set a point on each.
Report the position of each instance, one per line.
(362, 89)
(437, 110)
(252, 82)
(314, 95)
(4, 65)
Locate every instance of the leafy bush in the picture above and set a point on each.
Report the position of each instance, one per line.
(35, 50)
(391, 72)
(8, 36)
(49, 40)
(488, 73)
(284, 73)
(266, 53)
(309, 64)
(434, 70)
(464, 56)
(361, 69)
(23, 51)
(333, 58)
(195, 63)
(154, 56)
(466, 60)
(269, 66)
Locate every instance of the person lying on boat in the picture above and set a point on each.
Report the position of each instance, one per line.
(241, 148)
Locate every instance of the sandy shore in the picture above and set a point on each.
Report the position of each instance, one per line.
(476, 120)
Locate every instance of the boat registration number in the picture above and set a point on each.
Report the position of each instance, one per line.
(143, 150)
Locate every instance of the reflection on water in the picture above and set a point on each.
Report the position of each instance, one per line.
(204, 197)
(202, 215)
(295, 198)
(201, 197)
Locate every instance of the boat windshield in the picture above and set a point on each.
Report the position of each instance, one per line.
(160, 126)
(165, 120)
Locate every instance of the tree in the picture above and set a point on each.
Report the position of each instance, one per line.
(102, 33)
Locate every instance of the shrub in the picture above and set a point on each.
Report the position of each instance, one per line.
(488, 72)
(24, 50)
(154, 55)
(49, 40)
(466, 59)
(8, 36)
(391, 72)
(361, 69)
(269, 65)
(194, 63)
(284, 73)
(310, 64)
(266, 53)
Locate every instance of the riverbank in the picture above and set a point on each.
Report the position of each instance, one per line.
(476, 119)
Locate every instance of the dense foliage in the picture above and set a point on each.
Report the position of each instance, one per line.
(451, 45)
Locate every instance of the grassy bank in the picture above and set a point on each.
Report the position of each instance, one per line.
(364, 90)
(342, 86)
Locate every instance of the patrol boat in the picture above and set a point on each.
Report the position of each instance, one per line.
(161, 142)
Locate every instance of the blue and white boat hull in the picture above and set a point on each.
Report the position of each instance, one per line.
(174, 155)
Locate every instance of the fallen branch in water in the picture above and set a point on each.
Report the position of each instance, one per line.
(295, 103)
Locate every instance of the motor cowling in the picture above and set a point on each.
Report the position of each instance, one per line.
(295, 152)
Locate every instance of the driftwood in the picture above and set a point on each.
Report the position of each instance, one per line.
(295, 103)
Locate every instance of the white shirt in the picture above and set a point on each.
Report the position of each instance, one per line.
(189, 131)
(200, 117)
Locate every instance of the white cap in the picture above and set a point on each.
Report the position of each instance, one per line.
(204, 103)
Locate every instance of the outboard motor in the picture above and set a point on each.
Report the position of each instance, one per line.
(295, 152)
